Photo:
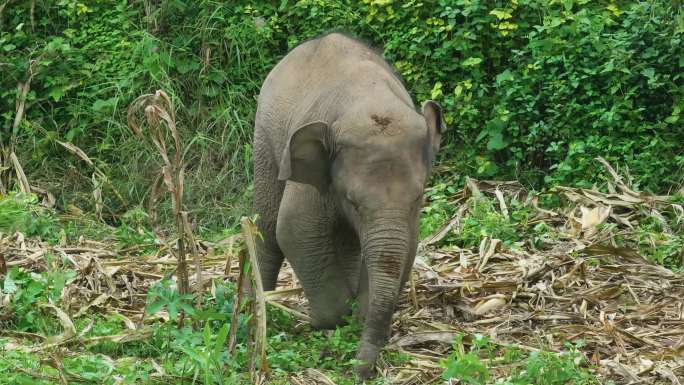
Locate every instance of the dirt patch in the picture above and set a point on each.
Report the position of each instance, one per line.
(384, 125)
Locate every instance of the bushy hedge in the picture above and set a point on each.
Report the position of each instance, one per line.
(533, 89)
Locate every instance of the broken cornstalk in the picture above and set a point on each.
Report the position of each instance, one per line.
(249, 286)
(158, 109)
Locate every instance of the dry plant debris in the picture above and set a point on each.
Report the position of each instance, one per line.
(579, 286)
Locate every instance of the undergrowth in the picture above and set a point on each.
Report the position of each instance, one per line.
(172, 354)
(197, 350)
(475, 365)
(20, 212)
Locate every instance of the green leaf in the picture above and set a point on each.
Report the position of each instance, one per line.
(471, 61)
(56, 93)
(504, 76)
(221, 339)
(649, 72)
(154, 307)
(496, 141)
(104, 105)
(501, 14)
(207, 335)
(436, 90)
(187, 308)
(172, 308)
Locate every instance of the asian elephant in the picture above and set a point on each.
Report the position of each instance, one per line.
(341, 158)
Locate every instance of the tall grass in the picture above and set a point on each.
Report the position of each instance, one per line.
(212, 69)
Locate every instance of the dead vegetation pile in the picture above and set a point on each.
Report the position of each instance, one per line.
(576, 285)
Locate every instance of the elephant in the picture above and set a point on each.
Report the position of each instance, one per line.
(341, 158)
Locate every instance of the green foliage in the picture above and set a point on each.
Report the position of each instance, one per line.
(474, 367)
(164, 295)
(485, 221)
(314, 348)
(27, 291)
(208, 359)
(21, 212)
(133, 230)
(467, 366)
(554, 369)
(532, 89)
(661, 240)
(438, 209)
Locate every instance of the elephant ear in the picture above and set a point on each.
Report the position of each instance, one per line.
(305, 157)
(432, 112)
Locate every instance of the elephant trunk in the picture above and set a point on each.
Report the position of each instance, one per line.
(385, 248)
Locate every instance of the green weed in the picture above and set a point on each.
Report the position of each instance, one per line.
(438, 209)
(475, 366)
(164, 295)
(27, 291)
(21, 212)
(661, 246)
(467, 366)
(484, 220)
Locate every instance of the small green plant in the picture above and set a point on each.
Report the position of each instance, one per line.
(133, 230)
(475, 366)
(547, 368)
(27, 291)
(165, 295)
(660, 245)
(468, 367)
(483, 220)
(209, 359)
(21, 212)
(438, 209)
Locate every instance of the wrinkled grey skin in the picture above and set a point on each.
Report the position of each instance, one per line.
(341, 158)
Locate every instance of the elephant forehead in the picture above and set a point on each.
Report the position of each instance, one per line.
(378, 131)
(383, 162)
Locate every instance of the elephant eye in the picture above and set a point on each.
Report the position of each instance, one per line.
(351, 200)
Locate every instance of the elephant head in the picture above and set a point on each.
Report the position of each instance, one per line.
(375, 164)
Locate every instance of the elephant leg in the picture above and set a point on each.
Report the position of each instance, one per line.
(348, 254)
(268, 192)
(304, 231)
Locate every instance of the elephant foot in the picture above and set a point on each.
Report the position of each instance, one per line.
(367, 355)
(363, 372)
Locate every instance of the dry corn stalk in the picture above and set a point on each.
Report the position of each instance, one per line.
(3, 262)
(8, 159)
(158, 109)
(258, 363)
(249, 287)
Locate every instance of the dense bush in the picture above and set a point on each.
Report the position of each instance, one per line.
(533, 89)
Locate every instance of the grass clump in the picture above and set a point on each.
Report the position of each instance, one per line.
(21, 212)
(27, 291)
